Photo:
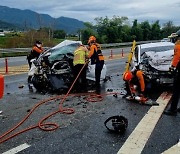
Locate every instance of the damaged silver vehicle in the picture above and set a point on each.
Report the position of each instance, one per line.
(53, 70)
(154, 59)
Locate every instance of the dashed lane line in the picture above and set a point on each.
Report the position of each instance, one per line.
(17, 149)
(138, 138)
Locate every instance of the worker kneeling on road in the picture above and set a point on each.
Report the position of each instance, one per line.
(135, 85)
(80, 61)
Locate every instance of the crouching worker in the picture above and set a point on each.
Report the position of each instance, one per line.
(79, 62)
(135, 86)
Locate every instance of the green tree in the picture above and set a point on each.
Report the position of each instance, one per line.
(146, 29)
(110, 30)
(85, 34)
(168, 28)
(155, 31)
(60, 34)
(136, 31)
(126, 33)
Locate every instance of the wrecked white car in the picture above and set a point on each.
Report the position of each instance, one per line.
(154, 59)
(53, 70)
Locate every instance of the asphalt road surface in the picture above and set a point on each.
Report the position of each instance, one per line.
(83, 132)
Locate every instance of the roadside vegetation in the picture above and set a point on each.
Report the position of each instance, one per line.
(119, 29)
(114, 30)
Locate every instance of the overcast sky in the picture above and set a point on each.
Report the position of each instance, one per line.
(87, 10)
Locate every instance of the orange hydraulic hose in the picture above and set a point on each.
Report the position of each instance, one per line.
(61, 103)
(42, 125)
(51, 126)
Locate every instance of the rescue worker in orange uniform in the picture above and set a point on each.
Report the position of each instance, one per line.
(135, 84)
(97, 58)
(80, 58)
(35, 52)
(175, 69)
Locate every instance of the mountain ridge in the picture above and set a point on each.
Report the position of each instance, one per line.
(30, 19)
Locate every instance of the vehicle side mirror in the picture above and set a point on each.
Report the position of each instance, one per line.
(1, 86)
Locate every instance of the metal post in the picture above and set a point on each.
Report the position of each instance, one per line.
(111, 54)
(6, 65)
(122, 53)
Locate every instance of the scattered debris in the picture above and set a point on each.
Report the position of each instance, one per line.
(151, 102)
(115, 95)
(28, 110)
(21, 86)
(116, 90)
(84, 106)
(33, 98)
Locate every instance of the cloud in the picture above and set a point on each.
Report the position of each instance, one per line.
(87, 10)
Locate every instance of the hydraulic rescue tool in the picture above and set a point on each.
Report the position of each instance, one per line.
(130, 56)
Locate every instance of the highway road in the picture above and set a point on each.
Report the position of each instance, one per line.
(16, 61)
(149, 131)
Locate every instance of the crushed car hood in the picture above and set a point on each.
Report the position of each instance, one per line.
(66, 43)
(160, 60)
(64, 48)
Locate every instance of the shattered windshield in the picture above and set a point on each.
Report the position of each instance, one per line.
(58, 53)
(157, 49)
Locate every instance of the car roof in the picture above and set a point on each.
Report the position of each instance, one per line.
(157, 44)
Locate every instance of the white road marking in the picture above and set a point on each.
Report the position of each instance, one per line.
(17, 149)
(138, 138)
(173, 150)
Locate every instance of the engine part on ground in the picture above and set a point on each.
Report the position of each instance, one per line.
(1, 86)
(119, 124)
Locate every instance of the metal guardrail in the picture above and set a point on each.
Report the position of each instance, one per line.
(126, 43)
(111, 45)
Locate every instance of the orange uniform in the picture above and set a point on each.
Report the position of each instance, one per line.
(97, 58)
(176, 57)
(95, 47)
(135, 78)
(37, 49)
(140, 77)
